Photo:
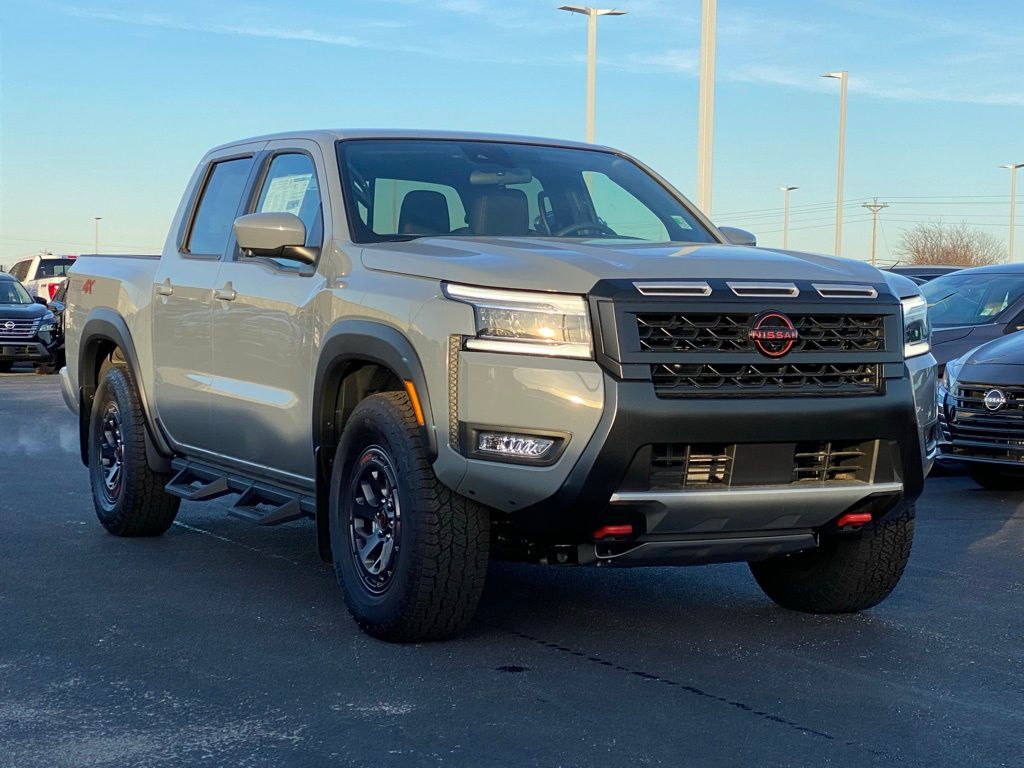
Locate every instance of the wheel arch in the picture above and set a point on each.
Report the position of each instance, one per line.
(348, 347)
(103, 333)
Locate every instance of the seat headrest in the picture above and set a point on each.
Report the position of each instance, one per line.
(424, 212)
(501, 212)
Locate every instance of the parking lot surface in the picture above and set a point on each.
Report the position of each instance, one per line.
(222, 643)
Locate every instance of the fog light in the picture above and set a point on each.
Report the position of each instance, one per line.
(506, 444)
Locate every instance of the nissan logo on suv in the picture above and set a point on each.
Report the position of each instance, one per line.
(773, 333)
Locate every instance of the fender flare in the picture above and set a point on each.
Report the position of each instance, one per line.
(101, 325)
(346, 342)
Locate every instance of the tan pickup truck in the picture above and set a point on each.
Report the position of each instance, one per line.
(447, 347)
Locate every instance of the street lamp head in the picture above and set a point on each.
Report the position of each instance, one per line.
(1012, 166)
(587, 11)
(788, 189)
(836, 75)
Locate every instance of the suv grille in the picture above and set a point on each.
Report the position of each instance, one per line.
(680, 380)
(675, 466)
(976, 431)
(701, 332)
(21, 328)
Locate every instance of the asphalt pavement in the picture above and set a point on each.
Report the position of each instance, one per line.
(226, 644)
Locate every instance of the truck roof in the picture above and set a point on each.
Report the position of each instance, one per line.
(329, 136)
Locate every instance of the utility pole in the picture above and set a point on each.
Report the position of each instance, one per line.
(96, 233)
(1013, 202)
(874, 207)
(591, 14)
(842, 77)
(706, 105)
(785, 216)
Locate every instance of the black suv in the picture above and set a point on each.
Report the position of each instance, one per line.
(28, 329)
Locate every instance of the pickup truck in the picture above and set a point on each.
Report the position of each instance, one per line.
(446, 348)
(42, 274)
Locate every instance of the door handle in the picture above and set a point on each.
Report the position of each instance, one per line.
(227, 293)
(165, 288)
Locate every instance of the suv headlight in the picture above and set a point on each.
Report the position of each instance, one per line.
(48, 323)
(552, 324)
(917, 332)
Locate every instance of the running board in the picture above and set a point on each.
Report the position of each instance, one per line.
(258, 501)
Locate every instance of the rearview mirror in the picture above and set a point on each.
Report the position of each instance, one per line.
(738, 236)
(277, 235)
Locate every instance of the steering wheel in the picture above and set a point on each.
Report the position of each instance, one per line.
(602, 229)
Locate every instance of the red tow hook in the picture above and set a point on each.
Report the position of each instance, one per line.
(613, 531)
(853, 520)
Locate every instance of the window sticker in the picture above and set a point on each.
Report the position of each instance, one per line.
(286, 193)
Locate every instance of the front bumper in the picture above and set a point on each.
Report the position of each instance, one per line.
(969, 432)
(25, 351)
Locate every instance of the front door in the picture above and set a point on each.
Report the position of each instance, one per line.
(183, 291)
(263, 330)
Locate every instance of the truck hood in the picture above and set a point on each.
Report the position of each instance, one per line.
(573, 266)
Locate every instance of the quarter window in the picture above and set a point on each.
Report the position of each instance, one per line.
(215, 214)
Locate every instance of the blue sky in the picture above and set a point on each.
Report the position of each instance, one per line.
(105, 107)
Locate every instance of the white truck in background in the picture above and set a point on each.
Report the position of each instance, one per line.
(42, 274)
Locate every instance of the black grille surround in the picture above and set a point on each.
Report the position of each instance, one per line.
(974, 431)
(700, 346)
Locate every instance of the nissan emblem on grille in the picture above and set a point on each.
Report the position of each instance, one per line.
(9, 326)
(995, 399)
(773, 334)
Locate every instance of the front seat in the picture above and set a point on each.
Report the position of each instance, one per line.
(500, 213)
(424, 212)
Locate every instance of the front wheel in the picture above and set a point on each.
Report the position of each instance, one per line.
(409, 553)
(844, 574)
(128, 495)
(994, 478)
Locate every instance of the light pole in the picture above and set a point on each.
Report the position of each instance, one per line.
(842, 77)
(785, 216)
(706, 104)
(96, 233)
(1013, 201)
(591, 14)
(874, 207)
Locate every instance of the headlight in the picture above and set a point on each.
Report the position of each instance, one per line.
(49, 323)
(952, 373)
(551, 324)
(917, 333)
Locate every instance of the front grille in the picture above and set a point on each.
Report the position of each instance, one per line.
(680, 380)
(677, 466)
(18, 328)
(706, 332)
(976, 431)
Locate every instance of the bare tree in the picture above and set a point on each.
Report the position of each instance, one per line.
(955, 245)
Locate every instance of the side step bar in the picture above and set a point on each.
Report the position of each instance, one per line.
(258, 502)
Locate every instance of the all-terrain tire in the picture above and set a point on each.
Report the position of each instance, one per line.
(845, 574)
(440, 560)
(137, 505)
(995, 478)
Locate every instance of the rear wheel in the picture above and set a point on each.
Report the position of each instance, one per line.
(410, 554)
(128, 495)
(995, 478)
(844, 574)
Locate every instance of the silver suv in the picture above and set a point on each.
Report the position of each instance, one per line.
(448, 347)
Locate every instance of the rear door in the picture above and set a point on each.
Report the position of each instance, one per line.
(184, 283)
(263, 328)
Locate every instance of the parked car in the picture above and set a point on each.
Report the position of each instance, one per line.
(446, 347)
(921, 273)
(981, 412)
(28, 329)
(42, 274)
(972, 306)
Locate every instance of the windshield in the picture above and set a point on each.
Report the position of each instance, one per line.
(403, 189)
(12, 292)
(966, 299)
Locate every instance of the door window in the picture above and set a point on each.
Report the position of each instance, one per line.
(211, 226)
(291, 187)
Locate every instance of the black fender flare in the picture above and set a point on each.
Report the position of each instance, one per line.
(105, 325)
(350, 342)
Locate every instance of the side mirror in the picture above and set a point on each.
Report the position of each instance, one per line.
(738, 236)
(56, 307)
(40, 300)
(278, 235)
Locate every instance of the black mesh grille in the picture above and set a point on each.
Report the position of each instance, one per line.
(700, 332)
(680, 380)
(977, 431)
